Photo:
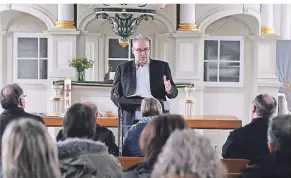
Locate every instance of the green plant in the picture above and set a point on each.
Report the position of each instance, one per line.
(81, 63)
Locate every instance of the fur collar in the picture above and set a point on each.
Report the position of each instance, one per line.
(73, 147)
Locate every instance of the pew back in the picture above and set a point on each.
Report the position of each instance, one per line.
(233, 166)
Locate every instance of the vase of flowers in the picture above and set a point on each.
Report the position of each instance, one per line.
(81, 64)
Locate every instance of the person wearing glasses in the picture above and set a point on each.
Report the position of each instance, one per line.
(142, 76)
(13, 102)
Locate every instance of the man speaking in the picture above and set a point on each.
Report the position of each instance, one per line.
(142, 76)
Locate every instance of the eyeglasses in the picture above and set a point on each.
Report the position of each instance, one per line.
(146, 50)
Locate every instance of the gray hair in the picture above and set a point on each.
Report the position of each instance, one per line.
(188, 154)
(29, 151)
(265, 105)
(140, 37)
(151, 107)
(10, 96)
(279, 132)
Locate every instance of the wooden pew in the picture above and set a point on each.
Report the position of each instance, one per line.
(127, 162)
(233, 166)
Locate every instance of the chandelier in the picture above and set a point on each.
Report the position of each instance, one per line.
(125, 19)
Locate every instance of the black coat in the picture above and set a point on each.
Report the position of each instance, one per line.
(248, 142)
(10, 115)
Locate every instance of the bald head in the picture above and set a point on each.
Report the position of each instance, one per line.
(265, 105)
(91, 105)
(10, 96)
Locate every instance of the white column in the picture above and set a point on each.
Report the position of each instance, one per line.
(187, 18)
(3, 72)
(65, 16)
(267, 26)
(285, 28)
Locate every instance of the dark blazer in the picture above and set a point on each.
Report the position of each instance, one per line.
(248, 142)
(125, 80)
(10, 115)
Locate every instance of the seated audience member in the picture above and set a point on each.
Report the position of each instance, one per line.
(149, 107)
(187, 154)
(13, 102)
(152, 140)
(28, 151)
(101, 134)
(277, 164)
(250, 141)
(80, 156)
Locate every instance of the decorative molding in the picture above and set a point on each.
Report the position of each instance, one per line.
(3, 32)
(264, 37)
(268, 82)
(64, 32)
(65, 24)
(225, 11)
(189, 34)
(34, 11)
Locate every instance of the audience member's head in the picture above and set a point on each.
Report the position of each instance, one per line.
(12, 96)
(279, 133)
(151, 107)
(156, 133)
(264, 106)
(187, 154)
(91, 105)
(79, 121)
(29, 151)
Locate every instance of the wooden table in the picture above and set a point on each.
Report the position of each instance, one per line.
(195, 121)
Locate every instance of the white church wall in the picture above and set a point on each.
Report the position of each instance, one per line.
(17, 24)
(232, 100)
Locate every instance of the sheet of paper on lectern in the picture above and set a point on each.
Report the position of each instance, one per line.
(140, 95)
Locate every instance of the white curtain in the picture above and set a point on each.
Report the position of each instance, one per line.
(283, 71)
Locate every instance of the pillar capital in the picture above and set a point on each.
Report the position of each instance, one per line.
(187, 18)
(65, 16)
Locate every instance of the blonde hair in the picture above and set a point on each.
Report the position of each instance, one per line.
(29, 151)
(151, 107)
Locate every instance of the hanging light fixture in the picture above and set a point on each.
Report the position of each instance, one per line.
(124, 19)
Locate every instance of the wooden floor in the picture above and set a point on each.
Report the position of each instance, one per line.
(195, 121)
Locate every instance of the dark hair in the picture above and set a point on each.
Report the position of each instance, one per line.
(156, 133)
(79, 121)
(265, 105)
(10, 96)
(279, 132)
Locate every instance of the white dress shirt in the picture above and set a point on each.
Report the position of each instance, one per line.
(142, 84)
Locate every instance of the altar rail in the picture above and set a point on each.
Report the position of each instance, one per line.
(195, 121)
